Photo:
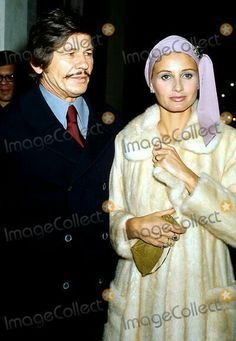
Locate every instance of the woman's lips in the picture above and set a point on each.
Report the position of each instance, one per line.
(177, 98)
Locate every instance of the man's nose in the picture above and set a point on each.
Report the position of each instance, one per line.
(81, 62)
(3, 81)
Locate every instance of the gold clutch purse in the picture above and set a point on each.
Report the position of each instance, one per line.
(146, 255)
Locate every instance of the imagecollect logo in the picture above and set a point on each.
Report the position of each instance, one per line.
(60, 312)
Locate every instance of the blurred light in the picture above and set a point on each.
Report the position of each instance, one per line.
(226, 117)
(226, 29)
(222, 95)
(108, 29)
(232, 84)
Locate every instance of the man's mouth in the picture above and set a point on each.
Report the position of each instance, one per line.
(5, 89)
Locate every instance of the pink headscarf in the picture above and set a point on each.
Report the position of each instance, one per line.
(208, 106)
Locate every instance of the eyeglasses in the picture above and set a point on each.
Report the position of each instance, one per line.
(7, 78)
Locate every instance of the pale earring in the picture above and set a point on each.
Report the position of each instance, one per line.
(151, 89)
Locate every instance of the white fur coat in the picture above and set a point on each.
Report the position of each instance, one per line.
(192, 296)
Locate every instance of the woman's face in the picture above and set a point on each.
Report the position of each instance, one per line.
(175, 81)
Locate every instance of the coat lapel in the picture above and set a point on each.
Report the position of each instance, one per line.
(98, 139)
(42, 122)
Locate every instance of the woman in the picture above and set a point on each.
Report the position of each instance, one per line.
(176, 158)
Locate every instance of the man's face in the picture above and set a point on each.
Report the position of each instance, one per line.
(68, 74)
(6, 85)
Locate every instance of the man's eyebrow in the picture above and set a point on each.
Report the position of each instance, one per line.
(89, 48)
(73, 49)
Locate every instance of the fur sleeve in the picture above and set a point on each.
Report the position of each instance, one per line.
(118, 214)
(210, 197)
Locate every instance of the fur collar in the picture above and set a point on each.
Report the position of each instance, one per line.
(141, 134)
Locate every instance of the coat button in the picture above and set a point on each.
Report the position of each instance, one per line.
(105, 236)
(104, 186)
(100, 281)
(66, 285)
(68, 238)
(69, 188)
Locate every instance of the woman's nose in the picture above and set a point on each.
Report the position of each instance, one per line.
(178, 86)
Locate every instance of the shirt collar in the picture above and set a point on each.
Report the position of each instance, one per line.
(59, 107)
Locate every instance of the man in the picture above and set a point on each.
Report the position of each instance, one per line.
(7, 77)
(57, 259)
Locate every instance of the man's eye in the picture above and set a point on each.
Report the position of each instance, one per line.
(67, 53)
(88, 53)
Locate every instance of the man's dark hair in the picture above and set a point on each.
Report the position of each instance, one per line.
(7, 57)
(50, 32)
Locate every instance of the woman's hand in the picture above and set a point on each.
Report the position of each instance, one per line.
(154, 230)
(168, 158)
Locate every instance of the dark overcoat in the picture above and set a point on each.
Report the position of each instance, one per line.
(56, 254)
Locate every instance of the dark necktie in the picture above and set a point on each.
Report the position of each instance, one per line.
(72, 125)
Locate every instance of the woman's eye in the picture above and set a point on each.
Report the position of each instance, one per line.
(188, 75)
(165, 77)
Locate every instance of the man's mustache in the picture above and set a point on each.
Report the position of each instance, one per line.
(79, 73)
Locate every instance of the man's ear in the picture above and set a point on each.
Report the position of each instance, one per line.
(37, 69)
